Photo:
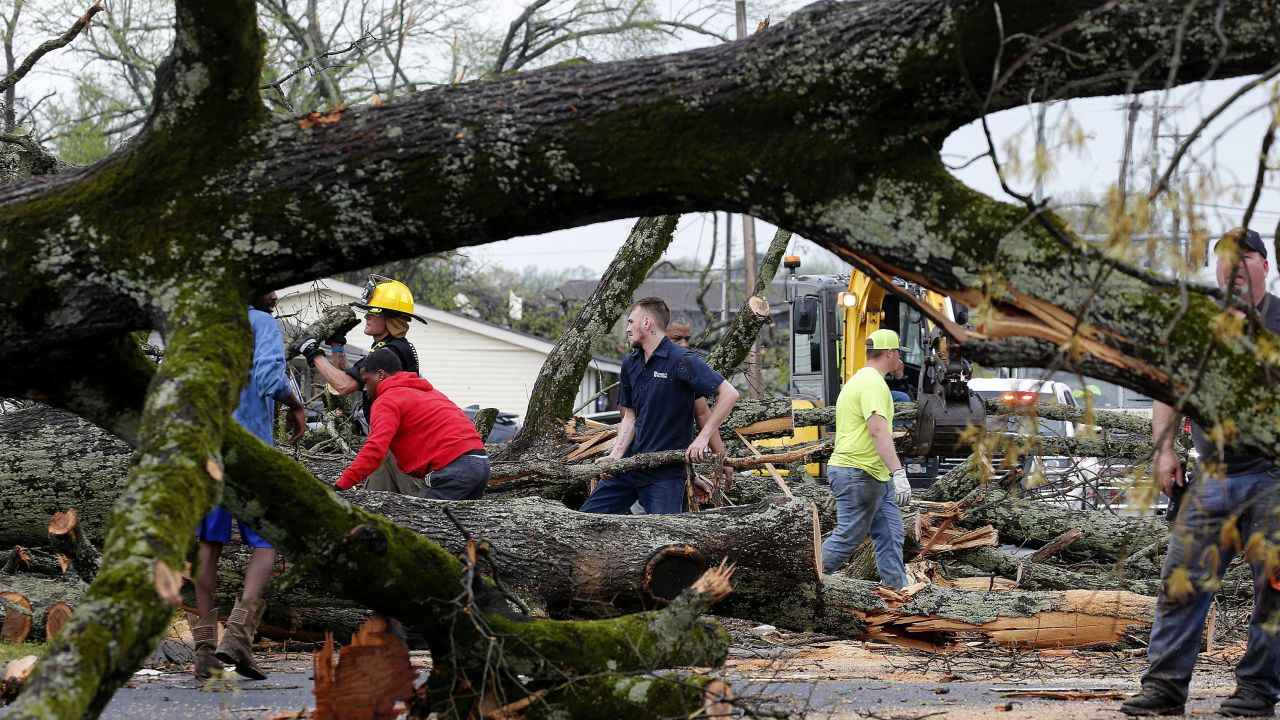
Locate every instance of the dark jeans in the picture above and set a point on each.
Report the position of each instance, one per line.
(463, 479)
(865, 505)
(615, 496)
(1198, 556)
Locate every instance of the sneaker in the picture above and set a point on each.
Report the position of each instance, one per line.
(1153, 701)
(1247, 703)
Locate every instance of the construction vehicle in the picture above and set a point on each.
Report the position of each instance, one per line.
(831, 317)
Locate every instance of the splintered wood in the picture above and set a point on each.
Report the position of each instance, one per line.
(917, 617)
(934, 529)
(370, 679)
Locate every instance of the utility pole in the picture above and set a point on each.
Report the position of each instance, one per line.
(754, 379)
(728, 267)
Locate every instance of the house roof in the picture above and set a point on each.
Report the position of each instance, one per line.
(519, 339)
(681, 294)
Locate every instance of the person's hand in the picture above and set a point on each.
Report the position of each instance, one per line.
(309, 347)
(901, 487)
(295, 423)
(604, 459)
(1166, 470)
(697, 451)
(701, 489)
(728, 478)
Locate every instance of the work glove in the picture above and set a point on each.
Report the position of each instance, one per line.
(901, 487)
(309, 347)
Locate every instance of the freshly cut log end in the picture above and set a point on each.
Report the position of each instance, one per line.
(368, 679)
(16, 610)
(759, 306)
(671, 569)
(15, 675)
(55, 619)
(65, 524)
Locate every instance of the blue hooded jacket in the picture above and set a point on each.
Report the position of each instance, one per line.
(267, 380)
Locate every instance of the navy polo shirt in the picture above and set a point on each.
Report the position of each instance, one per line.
(661, 393)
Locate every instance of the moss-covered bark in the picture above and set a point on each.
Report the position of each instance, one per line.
(831, 137)
(172, 483)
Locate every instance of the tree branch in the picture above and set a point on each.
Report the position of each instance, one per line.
(49, 46)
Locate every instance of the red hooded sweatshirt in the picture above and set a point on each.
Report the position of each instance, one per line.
(422, 428)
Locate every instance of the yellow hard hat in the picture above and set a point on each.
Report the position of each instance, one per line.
(383, 295)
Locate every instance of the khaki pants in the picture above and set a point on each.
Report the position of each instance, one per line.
(388, 478)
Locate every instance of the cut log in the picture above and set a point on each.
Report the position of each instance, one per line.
(15, 676)
(28, 601)
(68, 539)
(484, 420)
(36, 560)
(17, 623)
(608, 564)
(650, 695)
(1105, 538)
(368, 679)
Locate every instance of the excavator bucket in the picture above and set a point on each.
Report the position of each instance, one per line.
(942, 421)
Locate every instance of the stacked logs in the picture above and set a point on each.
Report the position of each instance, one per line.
(41, 586)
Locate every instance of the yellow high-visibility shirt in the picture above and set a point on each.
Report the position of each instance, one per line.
(865, 393)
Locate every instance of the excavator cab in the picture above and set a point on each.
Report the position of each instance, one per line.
(831, 317)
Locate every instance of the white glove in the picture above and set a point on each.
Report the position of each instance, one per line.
(901, 487)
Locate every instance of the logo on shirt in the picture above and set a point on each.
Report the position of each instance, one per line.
(659, 375)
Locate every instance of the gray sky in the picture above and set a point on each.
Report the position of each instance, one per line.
(1227, 154)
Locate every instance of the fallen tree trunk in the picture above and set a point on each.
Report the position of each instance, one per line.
(1042, 576)
(51, 460)
(574, 564)
(1105, 538)
(36, 607)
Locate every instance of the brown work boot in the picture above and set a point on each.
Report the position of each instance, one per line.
(204, 631)
(237, 637)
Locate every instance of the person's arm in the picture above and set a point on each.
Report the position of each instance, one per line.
(382, 428)
(339, 380)
(626, 433)
(702, 413)
(1166, 466)
(726, 396)
(296, 420)
(882, 438)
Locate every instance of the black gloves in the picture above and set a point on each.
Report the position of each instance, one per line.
(309, 348)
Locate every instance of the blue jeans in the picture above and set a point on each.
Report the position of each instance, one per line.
(864, 504)
(1195, 545)
(615, 495)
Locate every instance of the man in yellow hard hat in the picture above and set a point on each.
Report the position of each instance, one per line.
(388, 307)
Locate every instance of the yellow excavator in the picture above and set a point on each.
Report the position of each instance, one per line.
(831, 317)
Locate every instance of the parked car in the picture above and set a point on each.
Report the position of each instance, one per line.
(1057, 479)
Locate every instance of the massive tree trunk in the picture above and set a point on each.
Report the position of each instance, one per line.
(215, 201)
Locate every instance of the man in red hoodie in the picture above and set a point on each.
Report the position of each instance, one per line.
(429, 436)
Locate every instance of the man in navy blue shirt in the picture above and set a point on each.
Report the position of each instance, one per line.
(660, 381)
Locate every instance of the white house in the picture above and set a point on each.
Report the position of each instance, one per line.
(473, 362)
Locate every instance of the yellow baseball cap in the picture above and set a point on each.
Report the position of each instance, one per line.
(884, 339)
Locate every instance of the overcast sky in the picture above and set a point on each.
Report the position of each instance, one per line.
(1228, 153)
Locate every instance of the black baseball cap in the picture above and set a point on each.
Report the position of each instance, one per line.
(1245, 239)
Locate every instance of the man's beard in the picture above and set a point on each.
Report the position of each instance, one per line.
(637, 342)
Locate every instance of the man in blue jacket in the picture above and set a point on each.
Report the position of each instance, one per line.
(268, 384)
